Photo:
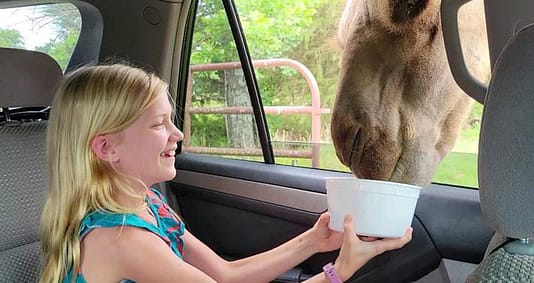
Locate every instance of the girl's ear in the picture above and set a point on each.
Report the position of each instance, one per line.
(103, 148)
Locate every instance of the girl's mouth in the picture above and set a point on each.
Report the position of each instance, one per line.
(168, 154)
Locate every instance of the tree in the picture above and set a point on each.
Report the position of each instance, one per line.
(60, 49)
(11, 38)
(66, 22)
(273, 29)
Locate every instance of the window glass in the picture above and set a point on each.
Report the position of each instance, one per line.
(297, 68)
(51, 28)
(460, 165)
(297, 63)
(218, 116)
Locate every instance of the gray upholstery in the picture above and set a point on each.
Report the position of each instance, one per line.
(22, 188)
(506, 164)
(505, 267)
(506, 153)
(26, 78)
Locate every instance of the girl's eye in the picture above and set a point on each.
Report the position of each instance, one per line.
(159, 125)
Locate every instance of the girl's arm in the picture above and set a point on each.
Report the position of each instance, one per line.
(266, 266)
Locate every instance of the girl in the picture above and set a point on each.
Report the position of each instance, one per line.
(111, 135)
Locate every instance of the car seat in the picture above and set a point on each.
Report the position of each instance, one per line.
(27, 79)
(506, 164)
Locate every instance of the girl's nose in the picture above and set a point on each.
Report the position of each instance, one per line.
(176, 135)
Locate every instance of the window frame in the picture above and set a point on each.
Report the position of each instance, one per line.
(248, 72)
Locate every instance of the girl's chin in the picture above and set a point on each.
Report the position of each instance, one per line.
(165, 175)
(171, 174)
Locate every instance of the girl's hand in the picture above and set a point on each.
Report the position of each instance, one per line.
(355, 251)
(322, 237)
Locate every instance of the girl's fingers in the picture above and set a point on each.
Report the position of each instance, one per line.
(348, 229)
(395, 243)
(324, 219)
(408, 233)
(407, 236)
(368, 238)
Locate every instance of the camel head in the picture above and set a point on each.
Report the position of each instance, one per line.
(398, 111)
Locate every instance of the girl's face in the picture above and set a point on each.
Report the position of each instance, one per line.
(146, 149)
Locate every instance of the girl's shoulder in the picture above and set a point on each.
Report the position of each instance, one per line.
(131, 253)
(110, 249)
(101, 219)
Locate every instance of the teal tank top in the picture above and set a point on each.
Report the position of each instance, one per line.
(169, 228)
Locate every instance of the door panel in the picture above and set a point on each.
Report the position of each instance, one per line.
(240, 208)
(313, 202)
(453, 218)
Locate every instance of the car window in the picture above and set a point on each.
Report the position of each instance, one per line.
(297, 70)
(297, 64)
(49, 28)
(218, 116)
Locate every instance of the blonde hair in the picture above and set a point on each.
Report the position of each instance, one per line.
(91, 101)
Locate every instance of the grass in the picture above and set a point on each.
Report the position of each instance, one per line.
(327, 159)
(459, 167)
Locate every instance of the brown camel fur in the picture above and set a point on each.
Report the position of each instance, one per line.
(398, 111)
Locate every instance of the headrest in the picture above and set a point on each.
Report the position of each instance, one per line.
(27, 78)
(506, 150)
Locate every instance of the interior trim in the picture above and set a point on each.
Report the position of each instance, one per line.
(279, 195)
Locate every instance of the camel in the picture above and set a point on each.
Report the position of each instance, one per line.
(398, 110)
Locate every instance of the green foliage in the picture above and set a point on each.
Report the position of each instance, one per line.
(208, 136)
(65, 18)
(60, 49)
(212, 40)
(306, 32)
(303, 31)
(476, 111)
(66, 22)
(275, 27)
(298, 30)
(11, 38)
(272, 28)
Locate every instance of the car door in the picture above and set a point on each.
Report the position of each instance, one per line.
(245, 192)
(251, 171)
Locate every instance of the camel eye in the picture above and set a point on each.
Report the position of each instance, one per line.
(412, 5)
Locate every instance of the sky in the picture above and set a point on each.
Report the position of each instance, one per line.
(20, 19)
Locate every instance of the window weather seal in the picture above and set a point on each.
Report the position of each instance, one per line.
(250, 79)
(183, 74)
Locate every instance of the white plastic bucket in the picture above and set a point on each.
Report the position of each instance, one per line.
(379, 208)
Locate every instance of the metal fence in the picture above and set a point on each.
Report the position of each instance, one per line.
(315, 110)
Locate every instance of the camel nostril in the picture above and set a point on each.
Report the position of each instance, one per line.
(357, 137)
(356, 149)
